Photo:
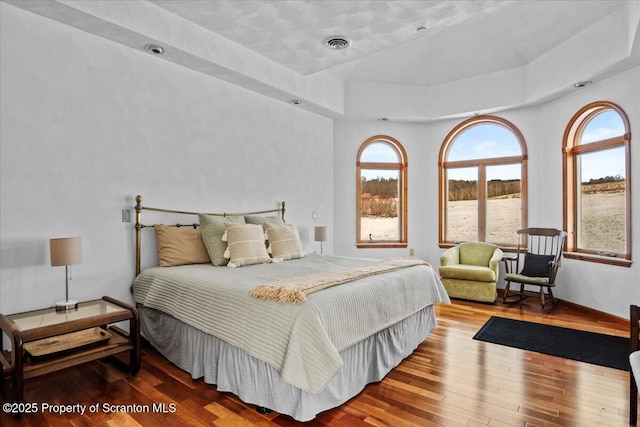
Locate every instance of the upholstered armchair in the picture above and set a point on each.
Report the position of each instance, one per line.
(470, 271)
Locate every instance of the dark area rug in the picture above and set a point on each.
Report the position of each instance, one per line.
(589, 347)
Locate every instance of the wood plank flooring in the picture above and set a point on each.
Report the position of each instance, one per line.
(450, 380)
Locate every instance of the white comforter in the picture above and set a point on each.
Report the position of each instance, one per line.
(302, 341)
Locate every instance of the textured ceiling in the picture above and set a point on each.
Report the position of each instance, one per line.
(291, 32)
(473, 56)
(461, 39)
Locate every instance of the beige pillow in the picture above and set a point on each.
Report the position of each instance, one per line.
(212, 227)
(284, 241)
(245, 245)
(179, 246)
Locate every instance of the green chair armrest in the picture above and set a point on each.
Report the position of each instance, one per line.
(451, 256)
(496, 258)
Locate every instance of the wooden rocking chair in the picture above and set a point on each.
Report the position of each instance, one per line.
(539, 252)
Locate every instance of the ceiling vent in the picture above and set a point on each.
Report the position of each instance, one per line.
(337, 42)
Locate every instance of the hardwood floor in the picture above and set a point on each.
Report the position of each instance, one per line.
(450, 380)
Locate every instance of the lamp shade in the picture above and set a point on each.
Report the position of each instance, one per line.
(320, 233)
(65, 251)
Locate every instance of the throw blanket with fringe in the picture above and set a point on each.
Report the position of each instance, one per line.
(294, 290)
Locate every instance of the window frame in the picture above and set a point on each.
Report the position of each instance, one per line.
(571, 149)
(402, 168)
(481, 164)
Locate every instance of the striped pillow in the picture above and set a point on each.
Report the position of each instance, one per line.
(284, 241)
(245, 245)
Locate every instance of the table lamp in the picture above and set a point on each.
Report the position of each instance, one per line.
(320, 235)
(66, 251)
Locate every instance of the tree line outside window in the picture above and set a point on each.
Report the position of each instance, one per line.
(483, 188)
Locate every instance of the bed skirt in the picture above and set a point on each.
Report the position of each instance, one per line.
(255, 382)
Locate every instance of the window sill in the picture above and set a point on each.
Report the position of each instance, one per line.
(598, 259)
(447, 245)
(380, 245)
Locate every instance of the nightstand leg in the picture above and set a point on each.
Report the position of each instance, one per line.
(18, 371)
(134, 336)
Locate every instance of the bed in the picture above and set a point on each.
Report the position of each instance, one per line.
(351, 322)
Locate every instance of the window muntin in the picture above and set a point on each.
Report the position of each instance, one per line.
(381, 193)
(597, 188)
(483, 182)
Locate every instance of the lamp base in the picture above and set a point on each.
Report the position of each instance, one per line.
(67, 305)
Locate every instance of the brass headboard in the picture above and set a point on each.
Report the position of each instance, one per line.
(139, 225)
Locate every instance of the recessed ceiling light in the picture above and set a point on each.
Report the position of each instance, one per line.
(155, 49)
(582, 84)
(337, 42)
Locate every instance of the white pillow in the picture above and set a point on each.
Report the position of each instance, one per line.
(284, 241)
(245, 245)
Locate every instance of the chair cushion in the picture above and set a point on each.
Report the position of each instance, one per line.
(537, 265)
(468, 272)
(540, 281)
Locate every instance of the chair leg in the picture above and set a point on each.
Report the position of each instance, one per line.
(554, 301)
(543, 301)
(506, 292)
(520, 296)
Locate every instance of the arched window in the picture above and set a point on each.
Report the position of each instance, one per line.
(483, 182)
(597, 189)
(381, 199)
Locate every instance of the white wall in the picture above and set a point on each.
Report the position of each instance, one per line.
(603, 287)
(606, 288)
(86, 124)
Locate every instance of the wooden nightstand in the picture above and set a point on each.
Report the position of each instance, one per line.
(47, 340)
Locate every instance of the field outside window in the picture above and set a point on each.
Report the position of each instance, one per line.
(483, 195)
(379, 209)
(596, 159)
(381, 193)
(504, 203)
